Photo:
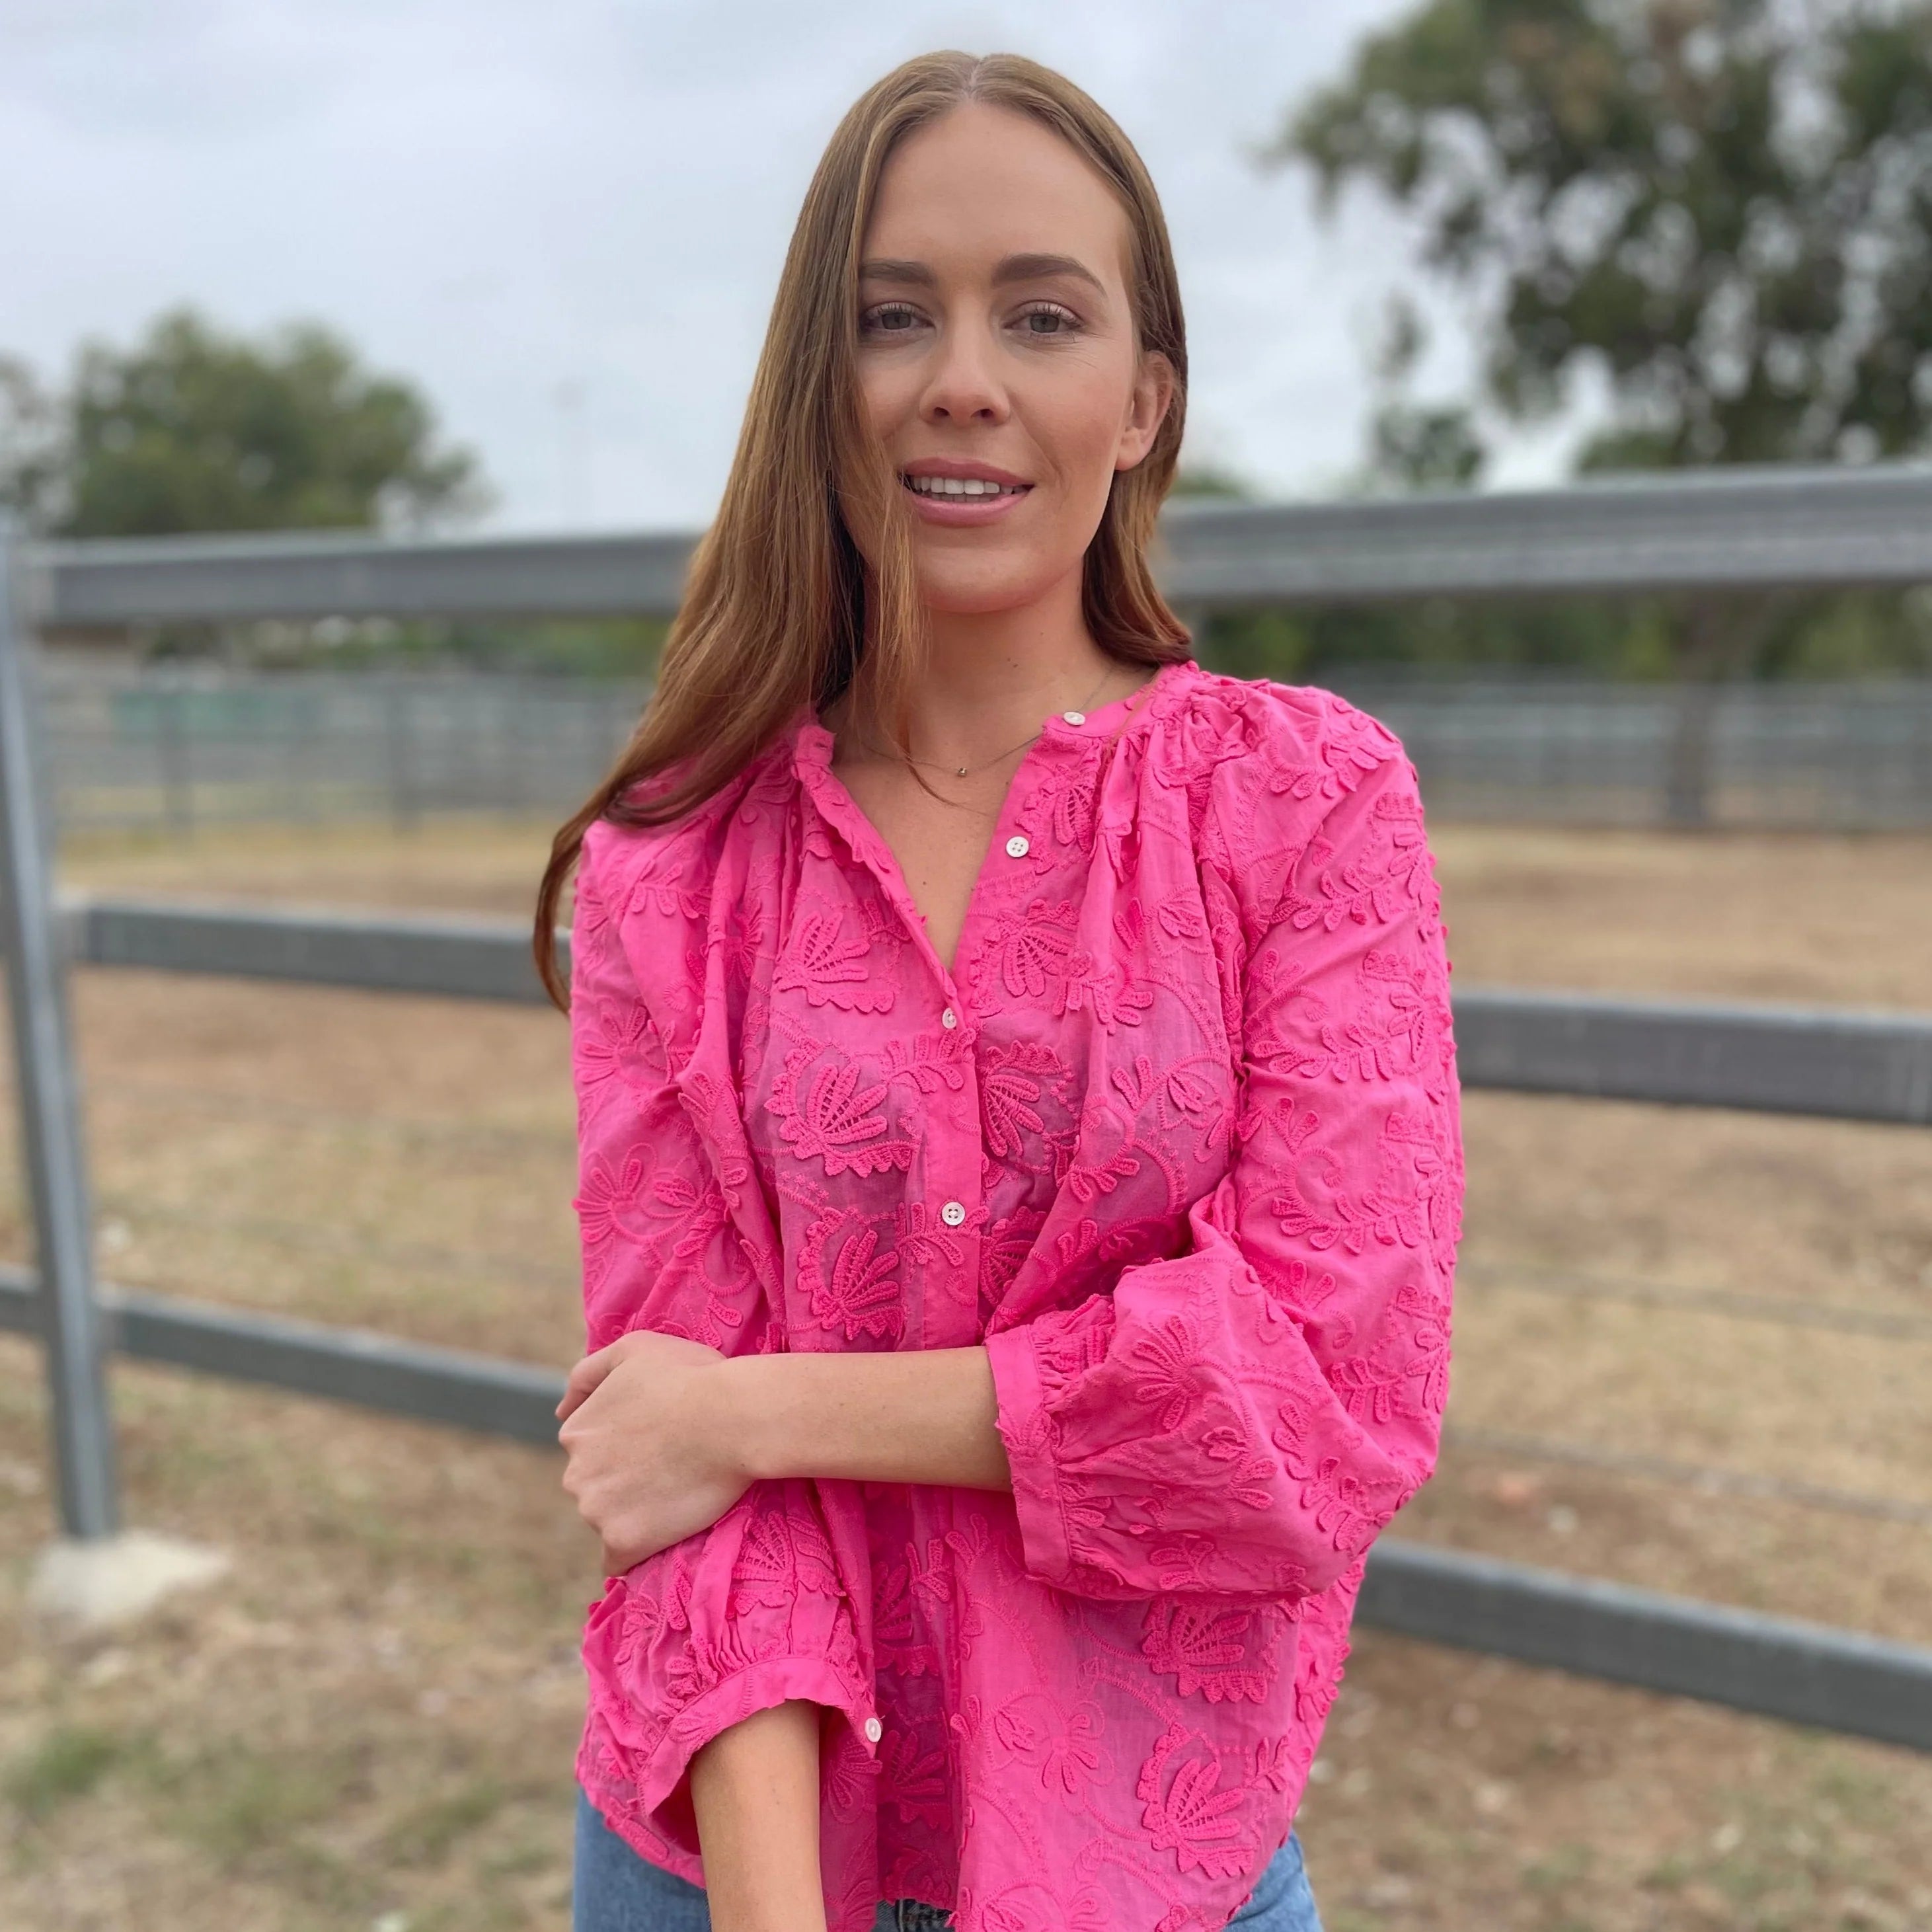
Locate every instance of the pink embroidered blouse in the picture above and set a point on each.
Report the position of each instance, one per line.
(1179, 1141)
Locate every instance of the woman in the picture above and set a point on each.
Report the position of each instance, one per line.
(1021, 1163)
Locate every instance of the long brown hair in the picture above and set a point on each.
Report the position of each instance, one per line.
(778, 609)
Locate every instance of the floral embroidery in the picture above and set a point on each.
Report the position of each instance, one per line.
(607, 1192)
(836, 1121)
(1205, 1646)
(778, 1559)
(1017, 1076)
(1169, 1372)
(926, 1238)
(829, 965)
(914, 1781)
(1194, 1818)
(1004, 1251)
(930, 1064)
(617, 1037)
(1063, 1746)
(1028, 951)
(1250, 1475)
(848, 1280)
(1104, 990)
(1346, 1507)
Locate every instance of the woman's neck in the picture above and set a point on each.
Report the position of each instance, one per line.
(990, 678)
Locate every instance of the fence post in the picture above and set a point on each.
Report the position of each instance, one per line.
(49, 1100)
(177, 774)
(399, 717)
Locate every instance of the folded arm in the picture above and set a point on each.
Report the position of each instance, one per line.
(664, 1435)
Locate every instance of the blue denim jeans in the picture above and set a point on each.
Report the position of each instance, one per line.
(613, 1890)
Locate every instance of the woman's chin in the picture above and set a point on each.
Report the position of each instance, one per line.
(982, 592)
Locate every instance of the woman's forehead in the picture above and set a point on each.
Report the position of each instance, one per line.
(982, 187)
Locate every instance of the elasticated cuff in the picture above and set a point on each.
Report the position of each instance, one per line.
(1026, 1429)
(761, 1686)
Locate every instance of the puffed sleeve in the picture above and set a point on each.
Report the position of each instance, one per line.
(1243, 1420)
(772, 1601)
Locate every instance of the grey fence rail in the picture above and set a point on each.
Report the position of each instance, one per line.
(1867, 526)
(1737, 528)
(177, 746)
(174, 745)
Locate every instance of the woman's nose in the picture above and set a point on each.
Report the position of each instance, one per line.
(964, 385)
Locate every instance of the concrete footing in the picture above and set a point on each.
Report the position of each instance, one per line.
(97, 1583)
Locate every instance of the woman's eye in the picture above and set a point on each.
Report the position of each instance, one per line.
(1059, 321)
(888, 318)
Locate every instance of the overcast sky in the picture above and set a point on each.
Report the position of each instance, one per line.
(566, 219)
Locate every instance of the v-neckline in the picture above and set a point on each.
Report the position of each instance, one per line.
(873, 850)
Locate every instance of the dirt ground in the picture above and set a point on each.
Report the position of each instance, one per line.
(1693, 1351)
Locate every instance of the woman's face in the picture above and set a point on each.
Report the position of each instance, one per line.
(997, 352)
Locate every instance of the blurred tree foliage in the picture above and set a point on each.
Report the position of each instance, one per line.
(1721, 207)
(1719, 210)
(195, 429)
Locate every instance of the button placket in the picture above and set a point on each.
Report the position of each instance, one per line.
(953, 1182)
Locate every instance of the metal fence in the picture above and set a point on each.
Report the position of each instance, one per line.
(173, 746)
(176, 746)
(1869, 526)
(1842, 756)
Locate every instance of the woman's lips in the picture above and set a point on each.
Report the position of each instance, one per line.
(963, 509)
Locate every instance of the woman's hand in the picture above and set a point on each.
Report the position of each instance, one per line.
(645, 1432)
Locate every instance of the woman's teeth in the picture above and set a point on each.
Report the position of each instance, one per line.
(960, 486)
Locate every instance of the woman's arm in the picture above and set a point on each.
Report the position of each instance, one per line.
(918, 1416)
(755, 1791)
(663, 1436)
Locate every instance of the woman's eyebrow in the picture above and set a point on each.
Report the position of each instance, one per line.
(1031, 268)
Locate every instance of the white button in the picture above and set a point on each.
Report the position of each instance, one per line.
(875, 1730)
(1017, 846)
(949, 1017)
(1074, 717)
(953, 1213)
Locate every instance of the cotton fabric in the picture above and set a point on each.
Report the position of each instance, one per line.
(1178, 1140)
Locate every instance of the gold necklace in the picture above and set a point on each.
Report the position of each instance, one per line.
(966, 771)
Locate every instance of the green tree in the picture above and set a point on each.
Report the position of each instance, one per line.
(1722, 207)
(29, 440)
(195, 429)
(1721, 210)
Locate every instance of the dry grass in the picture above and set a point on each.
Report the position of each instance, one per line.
(371, 1726)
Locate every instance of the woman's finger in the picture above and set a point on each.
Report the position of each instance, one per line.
(585, 1377)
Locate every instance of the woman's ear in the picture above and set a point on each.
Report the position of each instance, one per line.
(1147, 409)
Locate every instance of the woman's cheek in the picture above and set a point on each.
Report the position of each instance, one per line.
(1088, 443)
